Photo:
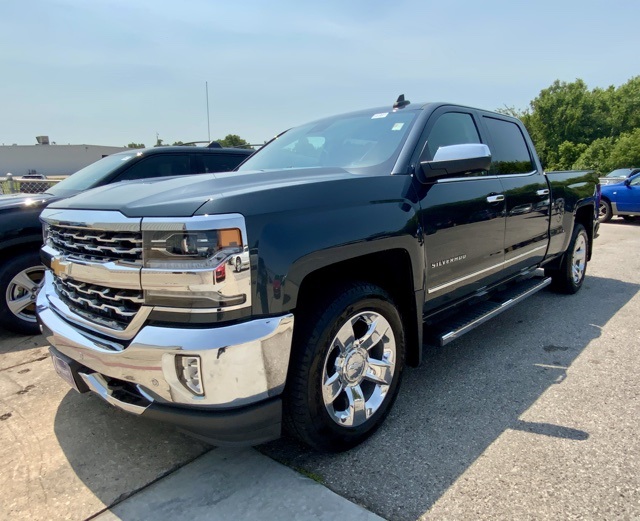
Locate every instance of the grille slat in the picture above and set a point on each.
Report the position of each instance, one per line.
(112, 307)
(97, 245)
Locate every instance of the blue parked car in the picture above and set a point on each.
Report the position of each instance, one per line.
(622, 198)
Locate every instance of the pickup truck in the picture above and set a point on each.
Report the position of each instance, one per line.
(21, 272)
(369, 234)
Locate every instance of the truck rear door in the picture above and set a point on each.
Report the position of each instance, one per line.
(526, 192)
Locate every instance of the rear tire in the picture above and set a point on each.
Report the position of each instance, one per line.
(605, 213)
(346, 368)
(20, 280)
(569, 278)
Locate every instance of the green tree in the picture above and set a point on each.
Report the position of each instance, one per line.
(135, 145)
(625, 107)
(568, 154)
(626, 151)
(233, 140)
(596, 156)
(567, 112)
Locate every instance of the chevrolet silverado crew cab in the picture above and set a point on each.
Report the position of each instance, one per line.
(22, 273)
(368, 234)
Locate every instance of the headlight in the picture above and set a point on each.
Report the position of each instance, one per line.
(178, 250)
(184, 262)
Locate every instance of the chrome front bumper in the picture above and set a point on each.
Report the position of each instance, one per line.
(241, 364)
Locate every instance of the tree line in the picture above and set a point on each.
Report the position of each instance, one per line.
(230, 140)
(573, 127)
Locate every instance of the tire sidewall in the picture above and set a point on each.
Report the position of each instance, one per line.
(609, 211)
(573, 286)
(324, 424)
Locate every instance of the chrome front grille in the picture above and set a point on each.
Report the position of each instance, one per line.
(97, 245)
(111, 307)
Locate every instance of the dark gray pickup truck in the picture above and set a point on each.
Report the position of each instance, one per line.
(368, 235)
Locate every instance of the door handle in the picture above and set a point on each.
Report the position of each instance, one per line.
(495, 198)
(544, 191)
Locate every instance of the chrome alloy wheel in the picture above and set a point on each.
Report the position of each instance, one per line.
(358, 369)
(579, 259)
(22, 291)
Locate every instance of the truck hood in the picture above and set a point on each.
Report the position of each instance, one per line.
(182, 196)
(16, 201)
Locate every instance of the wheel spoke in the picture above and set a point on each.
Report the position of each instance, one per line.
(376, 331)
(18, 305)
(356, 413)
(331, 388)
(379, 371)
(22, 280)
(345, 337)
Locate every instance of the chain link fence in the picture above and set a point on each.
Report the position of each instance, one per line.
(25, 185)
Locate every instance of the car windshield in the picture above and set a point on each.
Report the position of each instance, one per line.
(353, 142)
(620, 172)
(90, 176)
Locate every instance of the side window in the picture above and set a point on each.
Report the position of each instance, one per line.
(221, 162)
(635, 181)
(509, 151)
(452, 128)
(158, 166)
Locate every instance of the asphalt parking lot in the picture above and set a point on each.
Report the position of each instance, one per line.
(534, 415)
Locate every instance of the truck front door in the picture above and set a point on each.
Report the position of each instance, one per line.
(462, 217)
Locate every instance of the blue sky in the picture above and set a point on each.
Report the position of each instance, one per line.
(110, 72)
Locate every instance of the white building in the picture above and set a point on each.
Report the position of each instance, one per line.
(50, 160)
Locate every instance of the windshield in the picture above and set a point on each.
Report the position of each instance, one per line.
(89, 176)
(348, 141)
(620, 172)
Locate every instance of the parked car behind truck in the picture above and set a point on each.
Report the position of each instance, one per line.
(621, 198)
(361, 229)
(21, 271)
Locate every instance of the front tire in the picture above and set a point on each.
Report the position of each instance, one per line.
(346, 368)
(569, 278)
(20, 280)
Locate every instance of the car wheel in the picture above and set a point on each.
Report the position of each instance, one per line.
(604, 211)
(238, 264)
(21, 278)
(346, 368)
(570, 276)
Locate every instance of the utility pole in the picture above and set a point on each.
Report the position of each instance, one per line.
(206, 86)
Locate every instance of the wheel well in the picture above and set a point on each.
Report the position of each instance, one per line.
(390, 270)
(585, 216)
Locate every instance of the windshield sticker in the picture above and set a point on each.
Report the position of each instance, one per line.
(380, 115)
(397, 126)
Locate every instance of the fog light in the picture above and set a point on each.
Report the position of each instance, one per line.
(189, 373)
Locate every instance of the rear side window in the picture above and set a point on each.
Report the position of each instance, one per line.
(509, 151)
(158, 166)
(221, 162)
(452, 128)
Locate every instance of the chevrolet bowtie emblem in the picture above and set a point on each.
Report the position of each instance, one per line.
(59, 267)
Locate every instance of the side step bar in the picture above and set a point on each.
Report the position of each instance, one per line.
(452, 328)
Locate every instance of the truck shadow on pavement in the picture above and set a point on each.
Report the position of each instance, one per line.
(449, 410)
(115, 453)
(462, 398)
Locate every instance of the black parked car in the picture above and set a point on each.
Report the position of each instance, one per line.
(21, 232)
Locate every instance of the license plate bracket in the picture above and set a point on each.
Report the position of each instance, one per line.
(64, 371)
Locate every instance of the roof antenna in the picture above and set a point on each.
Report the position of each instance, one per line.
(401, 102)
